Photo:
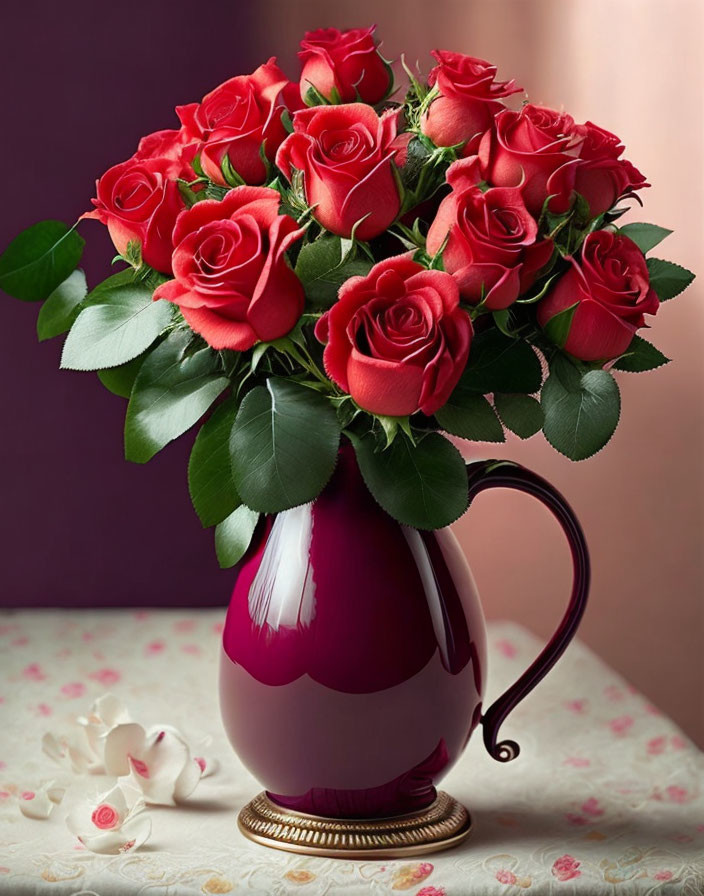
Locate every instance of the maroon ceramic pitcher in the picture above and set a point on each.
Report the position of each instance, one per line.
(354, 651)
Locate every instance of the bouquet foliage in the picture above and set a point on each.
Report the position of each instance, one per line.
(302, 262)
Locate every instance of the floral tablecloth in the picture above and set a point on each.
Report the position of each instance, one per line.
(606, 796)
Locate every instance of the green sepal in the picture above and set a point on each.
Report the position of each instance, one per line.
(645, 236)
(557, 329)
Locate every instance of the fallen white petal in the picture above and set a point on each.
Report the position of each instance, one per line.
(129, 837)
(188, 779)
(36, 804)
(120, 743)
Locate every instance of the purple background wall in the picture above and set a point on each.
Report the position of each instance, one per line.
(81, 83)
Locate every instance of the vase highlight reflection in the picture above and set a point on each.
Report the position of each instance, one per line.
(354, 667)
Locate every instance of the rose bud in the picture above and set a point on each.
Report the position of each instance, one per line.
(346, 154)
(139, 201)
(602, 177)
(236, 118)
(397, 339)
(610, 286)
(492, 247)
(468, 99)
(233, 283)
(535, 148)
(343, 66)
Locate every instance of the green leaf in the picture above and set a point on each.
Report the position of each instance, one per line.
(61, 309)
(640, 356)
(39, 259)
(100, 294)
(645, 236)
(233, 535)
(120, 380)
(323, 266)
(581, 407)
(557, 329)
(667, 278)
(423, 486)
(210, 483)
(520, 413)
(172, 391)
(470, 416)
(283, 446)
(122, 325)
(500, 364)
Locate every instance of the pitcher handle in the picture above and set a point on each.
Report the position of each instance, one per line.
(504, 474)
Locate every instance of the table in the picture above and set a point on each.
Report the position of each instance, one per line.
(606, 796)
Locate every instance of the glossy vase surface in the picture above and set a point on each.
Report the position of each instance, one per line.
(354, 656)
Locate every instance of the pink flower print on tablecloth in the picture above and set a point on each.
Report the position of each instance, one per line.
(672, 794)
(592, 808)
(589, 810)
(33, 672)
(154, 648)
(656, 746)
(432, 891)
(566, 868)
(621, 725)
(678, 743)
(43, 709)
(22, 641)
(677, 794)
(73, 689)
(613, 693)
(577, 762)
(106, 676)
(183, 626)
(409, 876)
(576, 706)
(506, 877)
(663, 875)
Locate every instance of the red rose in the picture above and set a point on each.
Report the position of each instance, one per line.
(492, 247)
(169, 144)
(611, 288)
(232, 282)
(536, 148)
(344, 62)
(346, 154)
(601, 176)
(139, 200)
(237, 117)
(468, 98)
(397, 339)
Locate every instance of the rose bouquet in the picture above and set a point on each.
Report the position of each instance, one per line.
(328, 259)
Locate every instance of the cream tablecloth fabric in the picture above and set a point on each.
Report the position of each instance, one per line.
(606, 796)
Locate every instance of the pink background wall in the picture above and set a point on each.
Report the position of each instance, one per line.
(633, 66)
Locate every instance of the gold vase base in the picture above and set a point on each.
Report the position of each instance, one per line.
(442, 825)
